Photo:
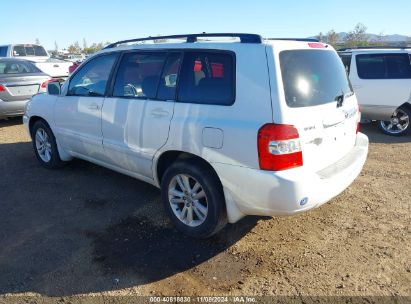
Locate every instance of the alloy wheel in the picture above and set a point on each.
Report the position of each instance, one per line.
(188, 200)
(398, 123)
(43, 145)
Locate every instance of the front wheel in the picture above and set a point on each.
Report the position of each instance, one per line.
(399, 124)
(193, 198)
(44, 145)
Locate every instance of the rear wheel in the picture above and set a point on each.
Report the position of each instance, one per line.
(399, 124)
(193, 198)
(44, 145)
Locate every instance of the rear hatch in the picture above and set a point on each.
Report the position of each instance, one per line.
(316, 97)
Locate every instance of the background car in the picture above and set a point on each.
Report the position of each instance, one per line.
(381, 79)
(39, 56)
(74, 67)
(19, 81)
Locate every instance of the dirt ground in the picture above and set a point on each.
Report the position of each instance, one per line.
(87, 230)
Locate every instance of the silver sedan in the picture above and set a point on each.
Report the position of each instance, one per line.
(19, 81)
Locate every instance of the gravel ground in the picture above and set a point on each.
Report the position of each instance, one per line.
(87, 230)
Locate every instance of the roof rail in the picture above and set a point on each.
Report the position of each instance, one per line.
(190, 38)
(374, 47)
(295, 39)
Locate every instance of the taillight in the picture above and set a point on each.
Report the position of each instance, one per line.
(44, 84)
(2, 88)
(358, 119)
(279, 147)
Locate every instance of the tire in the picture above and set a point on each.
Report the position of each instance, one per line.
(206, 201)
(45, 147)
(399, 124)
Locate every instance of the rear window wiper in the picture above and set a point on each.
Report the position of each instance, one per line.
(340, 100)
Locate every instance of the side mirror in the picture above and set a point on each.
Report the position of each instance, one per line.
(54, 88)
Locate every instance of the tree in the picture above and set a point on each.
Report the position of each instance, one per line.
(84, 44)
(74, 48)
(320, 37)
(357, 37)
(380, 39)
(56, 49)
(77, 47)
(37, 41)
(332, 38)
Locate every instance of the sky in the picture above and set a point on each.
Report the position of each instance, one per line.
(74, 20)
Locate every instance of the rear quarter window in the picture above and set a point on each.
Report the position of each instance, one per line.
(207, 78)
(313, 77)
(383, 66)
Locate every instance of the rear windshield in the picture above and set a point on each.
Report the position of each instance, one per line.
(313, 77)
(17, 67)
(22, 50)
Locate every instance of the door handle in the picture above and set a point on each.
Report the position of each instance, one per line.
(94, 106)
(356, 87)
(159, 113)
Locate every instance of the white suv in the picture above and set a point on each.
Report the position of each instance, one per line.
(381, 79)
(225, 127)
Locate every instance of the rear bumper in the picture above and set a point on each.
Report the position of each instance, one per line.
(12, 108)
(256, 192)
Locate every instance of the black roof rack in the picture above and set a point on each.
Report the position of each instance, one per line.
(190, 38)
(374, 47)
(295, 39)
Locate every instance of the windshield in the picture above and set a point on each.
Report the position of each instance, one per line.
(22, 50)
(313, 77)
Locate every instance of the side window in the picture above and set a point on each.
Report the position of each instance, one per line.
(398, 66)
(383, 66)
(346, 59)
(207, 78)
(139, 74)
(371, 66)
(168, 82)
(3, 51)
(19, 51)
(92, 79)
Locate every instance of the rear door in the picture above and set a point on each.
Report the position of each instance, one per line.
(381, 80)
(136, 118)
(320, 103)
(78, 114)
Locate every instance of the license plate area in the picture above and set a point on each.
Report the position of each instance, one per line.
(24, 90)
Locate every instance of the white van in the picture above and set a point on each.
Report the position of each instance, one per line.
(225, 127)
(381, 79)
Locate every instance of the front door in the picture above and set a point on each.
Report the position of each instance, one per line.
(78, 114)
